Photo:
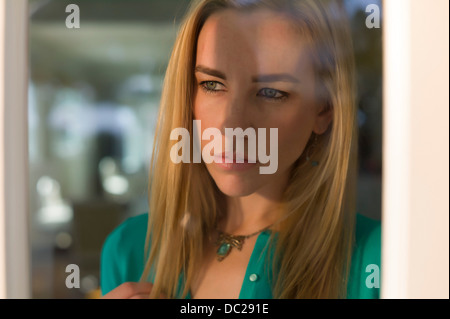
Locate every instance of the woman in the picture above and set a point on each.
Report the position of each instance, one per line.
(224, 230)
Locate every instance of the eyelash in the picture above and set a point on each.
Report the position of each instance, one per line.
(210, 91)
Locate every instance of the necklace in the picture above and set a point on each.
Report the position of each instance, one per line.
(226, 242)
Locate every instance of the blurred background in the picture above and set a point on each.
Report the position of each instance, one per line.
(93, 99)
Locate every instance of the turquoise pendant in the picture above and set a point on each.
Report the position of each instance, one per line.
(223, 251)
(226, 243)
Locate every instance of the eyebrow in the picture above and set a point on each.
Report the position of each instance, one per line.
(281, 77)
(206, 70)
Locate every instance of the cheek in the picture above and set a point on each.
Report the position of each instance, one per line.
(197, 106)
(207, 110)
(205, 114)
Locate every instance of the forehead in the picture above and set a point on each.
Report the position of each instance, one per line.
(259, 39)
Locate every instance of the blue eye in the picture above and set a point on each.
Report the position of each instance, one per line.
(272, 94)
(211, 86)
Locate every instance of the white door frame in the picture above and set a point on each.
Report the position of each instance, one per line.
(415, 256)
(15, 261)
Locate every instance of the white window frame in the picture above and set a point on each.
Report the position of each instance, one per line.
(415, 208)
(15, 261)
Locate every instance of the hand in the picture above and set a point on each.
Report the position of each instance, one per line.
(131, 290)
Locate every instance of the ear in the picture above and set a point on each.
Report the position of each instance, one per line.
(323, 119)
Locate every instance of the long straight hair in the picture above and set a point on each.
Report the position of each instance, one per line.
(315, 237)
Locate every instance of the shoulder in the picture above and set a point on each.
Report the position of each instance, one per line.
(364, 279)
(131, 226)
(122, 256)
(126, 235)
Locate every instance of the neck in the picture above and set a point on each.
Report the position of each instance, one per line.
(251, 213)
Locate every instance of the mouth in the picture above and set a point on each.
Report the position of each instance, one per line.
(234, 158)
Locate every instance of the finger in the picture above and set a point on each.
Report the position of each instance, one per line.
(129, 289)
(147, 296)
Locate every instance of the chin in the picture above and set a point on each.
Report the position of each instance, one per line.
(235, 184)
(235, 190)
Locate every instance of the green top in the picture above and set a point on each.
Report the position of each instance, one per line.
(122, 260)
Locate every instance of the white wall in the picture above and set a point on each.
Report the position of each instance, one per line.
(14, 248)
(415, 259)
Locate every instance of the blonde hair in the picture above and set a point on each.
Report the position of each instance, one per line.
(314, 242)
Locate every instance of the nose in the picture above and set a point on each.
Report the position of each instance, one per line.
(237, 114)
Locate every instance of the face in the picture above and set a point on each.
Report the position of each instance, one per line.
(253, 71)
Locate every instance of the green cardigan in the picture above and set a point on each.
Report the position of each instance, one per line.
(122, 260)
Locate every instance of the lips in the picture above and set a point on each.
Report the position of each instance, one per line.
(234, 157)
(234, 162)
